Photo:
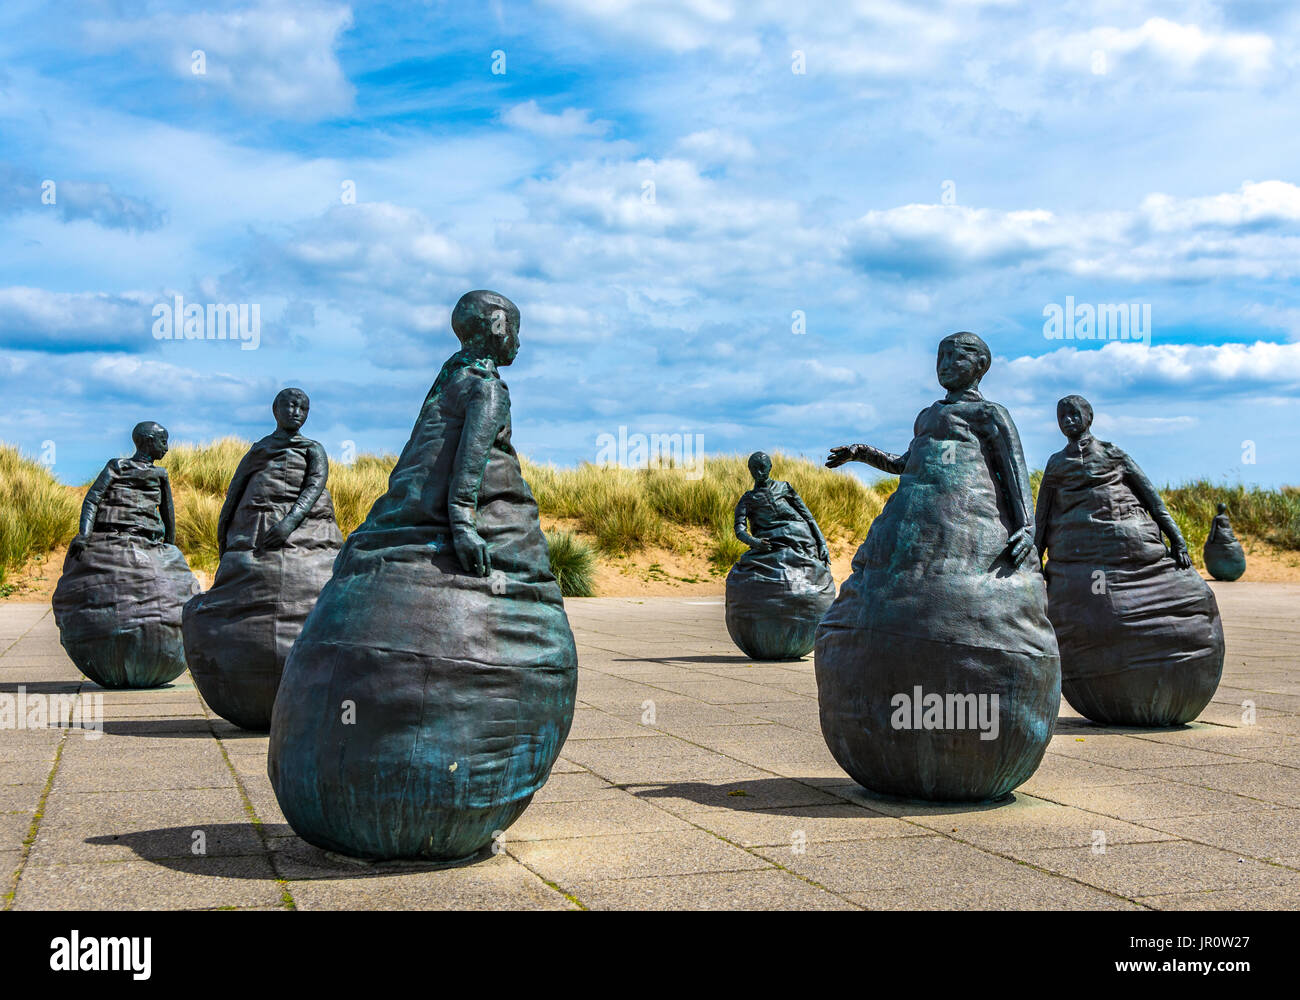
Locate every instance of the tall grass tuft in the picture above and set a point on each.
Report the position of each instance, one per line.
(626, 510)
(573, 563)
(37, 513)
(196, 527)
(354, 488)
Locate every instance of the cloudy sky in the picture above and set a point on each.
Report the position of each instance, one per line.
(671, 190)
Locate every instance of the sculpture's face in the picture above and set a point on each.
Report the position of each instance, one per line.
(291, 411)
(760, 467)
(960, 365)
(156, 443)
(1073, 418)
(504, 336)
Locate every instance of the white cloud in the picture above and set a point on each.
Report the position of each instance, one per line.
(276, 57)
(1253, 232)
(713, 145)
(1184, 49)
(74, 321)
(571, 123)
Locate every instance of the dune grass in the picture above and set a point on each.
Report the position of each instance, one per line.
(603, 512)
(1270, 515)
(37, 513)
(573, 562)
(626, 510)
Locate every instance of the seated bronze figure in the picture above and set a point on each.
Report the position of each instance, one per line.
(433, 684)
(938, 675)
(118, 603)
(778, 591)
(1139, 631)
(278, 539)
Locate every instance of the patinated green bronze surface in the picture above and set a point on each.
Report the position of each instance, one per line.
(433, 684)
(778, 591)
(118, 603)
(278, 539)
(1224, 557)
(1139, 630)
(938, 676)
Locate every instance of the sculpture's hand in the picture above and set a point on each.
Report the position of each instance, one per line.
(77, 546)
(472, 551)
(276, 535)
(824, 554)
(762, 545)
(1019, 544)
(841, 454)
(1182, 557)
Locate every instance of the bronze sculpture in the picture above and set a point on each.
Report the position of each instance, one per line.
(1139, 631)
(1225, 560)
(118, 603)
(938, 676)
(778, 591)
(433, 684)
(278, 539)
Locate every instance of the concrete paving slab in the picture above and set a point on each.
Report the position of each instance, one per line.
(694, 778)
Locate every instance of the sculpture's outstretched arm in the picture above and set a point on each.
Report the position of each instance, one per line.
(882, 460)
(801, 508)
(165, 508)
(234, 494)
(90, 507)
(313, 485)
(486, 416)
(1149, 497)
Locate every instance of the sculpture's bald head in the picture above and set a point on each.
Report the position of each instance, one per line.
(150, 437)
(1074, 415)
(1223, 508)
(290, 408)
(963, 359)
(760, 466)
(488, 322)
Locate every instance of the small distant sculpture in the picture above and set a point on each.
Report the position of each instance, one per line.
(1139, 631)
(938, 676)
(433, 684)
(118, 603)
(278, 540)
(778, 591)
(1224, 557)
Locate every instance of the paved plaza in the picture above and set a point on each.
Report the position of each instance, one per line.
(693, 778)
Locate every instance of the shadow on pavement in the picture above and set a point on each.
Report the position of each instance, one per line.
(223, 850)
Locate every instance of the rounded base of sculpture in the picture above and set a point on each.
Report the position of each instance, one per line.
(406, 865)
(1147, 697)
(875, 691)
(144, 658)
(1145, 651)
(1224, 563)
(234, 667)
(450, 836)
(774, 603)
(420, 709)
(760, 637)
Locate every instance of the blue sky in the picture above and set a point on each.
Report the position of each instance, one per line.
(938, 165)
